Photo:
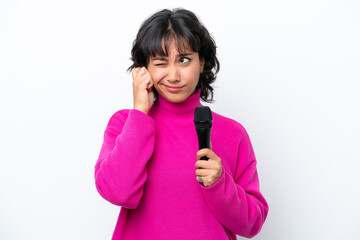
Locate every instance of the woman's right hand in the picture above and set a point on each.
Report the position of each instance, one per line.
(142, 89)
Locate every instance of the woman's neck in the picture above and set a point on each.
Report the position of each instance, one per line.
(176, 111)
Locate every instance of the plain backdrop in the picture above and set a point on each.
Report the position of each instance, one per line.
(289, 73)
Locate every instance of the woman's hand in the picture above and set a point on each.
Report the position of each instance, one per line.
(142, 89)
(210, 170)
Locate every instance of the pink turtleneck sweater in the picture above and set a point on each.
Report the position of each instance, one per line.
(147, 166)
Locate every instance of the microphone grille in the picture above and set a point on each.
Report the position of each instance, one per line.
(202, 114)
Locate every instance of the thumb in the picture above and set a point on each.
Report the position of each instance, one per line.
(134, 72)
(151, 96)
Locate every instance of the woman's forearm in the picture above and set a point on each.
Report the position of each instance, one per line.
(120, 171)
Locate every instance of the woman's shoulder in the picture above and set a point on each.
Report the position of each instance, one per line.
(120, 115)
(117, 119)
(228, 124)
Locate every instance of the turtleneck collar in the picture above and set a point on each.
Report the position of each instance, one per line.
(184, 109)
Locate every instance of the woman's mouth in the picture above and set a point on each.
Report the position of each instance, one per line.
(173, 89)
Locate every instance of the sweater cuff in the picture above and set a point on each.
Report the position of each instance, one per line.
(139, 114)
(138, 126)
(140, 119)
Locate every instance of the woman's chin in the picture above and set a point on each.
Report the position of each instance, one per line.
(174, 97)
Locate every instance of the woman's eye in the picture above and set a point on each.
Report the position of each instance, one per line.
(160, 64)
(185, 60)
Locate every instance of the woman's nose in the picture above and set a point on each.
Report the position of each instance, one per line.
(173, 74)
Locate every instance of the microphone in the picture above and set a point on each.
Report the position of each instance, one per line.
(203, 124)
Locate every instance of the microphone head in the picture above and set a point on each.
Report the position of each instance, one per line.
(202, 115)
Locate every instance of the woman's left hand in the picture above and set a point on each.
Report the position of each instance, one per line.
(210, 170)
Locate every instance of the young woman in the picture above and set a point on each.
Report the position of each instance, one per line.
(149, 163)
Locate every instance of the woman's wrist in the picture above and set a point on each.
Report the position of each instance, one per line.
(141, 110)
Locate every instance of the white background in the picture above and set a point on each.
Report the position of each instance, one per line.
(289, 73)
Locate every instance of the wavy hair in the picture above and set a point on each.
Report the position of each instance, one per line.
(184, 27)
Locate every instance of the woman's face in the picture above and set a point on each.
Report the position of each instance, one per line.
(176, 76)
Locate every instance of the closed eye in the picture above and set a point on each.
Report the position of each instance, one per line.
(160, 63)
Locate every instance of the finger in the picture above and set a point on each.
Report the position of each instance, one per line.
(203, 172)
(143, 71)
(143, 81)
(150, 83)
(206, 152)
(202, 164)
(198, 179)
(145, 77)
(150, 88)
(134, 72)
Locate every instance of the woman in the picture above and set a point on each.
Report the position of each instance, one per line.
(149, 163)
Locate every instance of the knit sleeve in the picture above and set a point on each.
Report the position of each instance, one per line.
(236, 201)
(120, 171)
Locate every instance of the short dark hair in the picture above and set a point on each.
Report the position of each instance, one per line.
(178, 24)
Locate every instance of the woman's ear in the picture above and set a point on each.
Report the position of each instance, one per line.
(202, 63)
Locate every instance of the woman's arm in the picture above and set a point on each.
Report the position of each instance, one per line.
(237, 202)
(120, 171)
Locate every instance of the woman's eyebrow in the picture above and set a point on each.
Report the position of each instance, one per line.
(184, 54)
(158, 58)
(164, 58)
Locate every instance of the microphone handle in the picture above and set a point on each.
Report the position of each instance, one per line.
(204, 139)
